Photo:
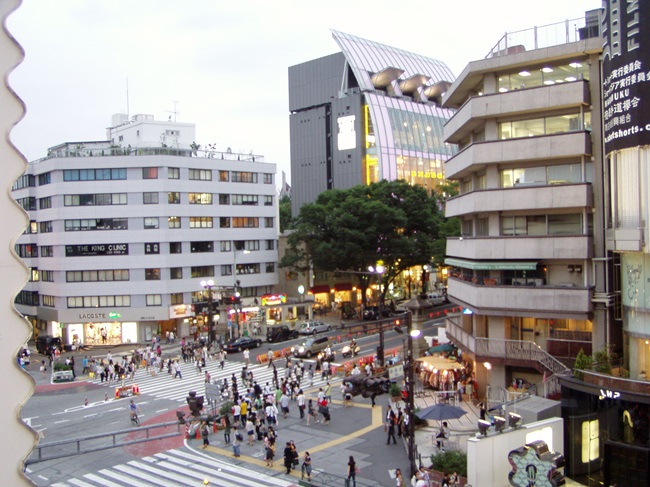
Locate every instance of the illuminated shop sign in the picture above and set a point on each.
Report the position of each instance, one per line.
(607, 394)
(626, 74)
(96, 249)
(273, 299)
(347, 137)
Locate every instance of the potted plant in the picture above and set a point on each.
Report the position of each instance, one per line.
(395, 392)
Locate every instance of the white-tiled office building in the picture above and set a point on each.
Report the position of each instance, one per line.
(123, 232)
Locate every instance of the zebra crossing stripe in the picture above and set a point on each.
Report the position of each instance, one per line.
(128, 480)
(101, 481)
(135, 473)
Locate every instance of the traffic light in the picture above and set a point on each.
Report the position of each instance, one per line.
(234, 299)
(195, 403)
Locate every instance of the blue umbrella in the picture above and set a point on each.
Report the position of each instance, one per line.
(441, 412)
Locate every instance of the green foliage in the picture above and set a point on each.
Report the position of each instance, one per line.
(286, 221)
(58, 366)
(450, 461)
(583, 362)
(226, 407)
(395, 390)
(350, 230)
(603, 359)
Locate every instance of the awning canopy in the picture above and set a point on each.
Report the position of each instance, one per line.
(492, 265)
(343, 286)
(323, 288)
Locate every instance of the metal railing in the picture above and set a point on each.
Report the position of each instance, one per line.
(77, 443)
(542, 36)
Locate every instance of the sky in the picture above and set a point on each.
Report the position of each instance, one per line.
(223, 65)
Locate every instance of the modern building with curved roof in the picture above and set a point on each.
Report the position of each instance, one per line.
(367, 113)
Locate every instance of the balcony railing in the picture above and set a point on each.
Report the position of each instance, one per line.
(504, 349)
(544, 36)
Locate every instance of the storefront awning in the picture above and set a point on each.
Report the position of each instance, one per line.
(343, 286)
(323, 288)
(492, 265)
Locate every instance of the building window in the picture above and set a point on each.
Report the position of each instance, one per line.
(28, 298)
(244, 199)
(26, 250)
(99, 301)
(268, 200)
(152, 274)
(251, 245)
(248, 269)
(244, 177)
(96, 224)
(482, 227)
(151, 222)
(200, 175)
(245, 222)
(197, 247)
(47, 276)
(175, 247)
(225, 245)
(149, 173)
(48, 301)
(45, 227)
(270, 245)
(268, 178)
(173, 173)
(268, 222)
(34, 275)
(154, 300)
(200, 198)
(223, 176)
(174, 222)
(176, 298)
(104, 275)
(45, 203)
(224, 199)
(569, 122)
(202, 271)
(200, 222)
(24, 181)
(534, 225)
(541, 175)
(27, 204)
(94, 174)
(94, 199)
(176, 273)
(152, 248)
(150, 198)
(467, 228)
(45, 178)
(224, 222)
(174, 198)
(47, 251)
(270, 267)
(226, 270)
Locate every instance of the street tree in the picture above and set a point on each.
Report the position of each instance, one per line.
(394, 224)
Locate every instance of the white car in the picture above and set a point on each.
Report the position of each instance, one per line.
(436, 299)
(313, 327)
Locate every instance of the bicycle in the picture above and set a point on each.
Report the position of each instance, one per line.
(134, 418)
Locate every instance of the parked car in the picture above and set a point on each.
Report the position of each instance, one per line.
(313, 327)
(280, 333)
(310, 347)
(45, 343)
(372, 313)
(239, 344)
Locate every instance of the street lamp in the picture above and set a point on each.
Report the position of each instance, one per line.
(212, 335)
(488, 367)
(409, 382)
(236, 288)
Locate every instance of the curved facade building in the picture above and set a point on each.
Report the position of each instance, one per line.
(368, 113)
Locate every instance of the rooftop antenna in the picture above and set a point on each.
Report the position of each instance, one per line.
(174, 112)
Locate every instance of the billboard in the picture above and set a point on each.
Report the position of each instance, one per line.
(626, 74)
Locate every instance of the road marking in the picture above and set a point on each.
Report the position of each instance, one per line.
(90, 415)
(162, 410)
(62, 421)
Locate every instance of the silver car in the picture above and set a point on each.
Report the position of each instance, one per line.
(312, 327)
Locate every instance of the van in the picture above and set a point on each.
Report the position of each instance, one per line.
(436, 298)
(311, 347)
(46, 343)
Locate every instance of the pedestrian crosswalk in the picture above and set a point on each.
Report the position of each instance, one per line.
(165, 386)
(175, 468)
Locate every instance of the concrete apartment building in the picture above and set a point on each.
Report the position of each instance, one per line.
(552, 128)
(124, 231)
